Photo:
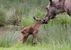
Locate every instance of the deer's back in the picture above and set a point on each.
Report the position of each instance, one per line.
(67, 5)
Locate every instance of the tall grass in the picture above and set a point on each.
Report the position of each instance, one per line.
(56, 35)
(8, 37)
(56, 32)
(16, 9)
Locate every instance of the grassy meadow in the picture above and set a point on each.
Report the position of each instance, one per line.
(14, 14)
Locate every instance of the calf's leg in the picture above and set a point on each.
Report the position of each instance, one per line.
(35, 37)
(25, 36)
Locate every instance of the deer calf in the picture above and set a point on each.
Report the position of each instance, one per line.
(31, 30)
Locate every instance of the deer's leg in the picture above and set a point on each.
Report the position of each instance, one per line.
(34, 37)
(25, 36)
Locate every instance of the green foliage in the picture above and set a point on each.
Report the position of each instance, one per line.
(56, 35)
(26, 22)
(52, 46)
(8, 38)
(21, 8)
(58, 29)
(39, 12)
(62, 19)
(2, 17)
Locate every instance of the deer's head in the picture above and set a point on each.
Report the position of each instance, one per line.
(53, 8)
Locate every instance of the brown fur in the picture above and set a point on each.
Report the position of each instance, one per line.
(55, 7)
(31, 30)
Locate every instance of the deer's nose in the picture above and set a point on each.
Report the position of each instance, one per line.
(44, 21)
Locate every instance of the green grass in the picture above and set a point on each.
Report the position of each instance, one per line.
(13, 10)
(56, 35)
(52, 46)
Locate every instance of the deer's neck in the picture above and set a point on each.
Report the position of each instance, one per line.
(36, 25)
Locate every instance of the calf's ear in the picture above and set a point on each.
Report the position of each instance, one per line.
(35, 18)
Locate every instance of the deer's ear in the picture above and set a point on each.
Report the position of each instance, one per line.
(51, 3)
(35, 18)
(50, 0)
(60, 0)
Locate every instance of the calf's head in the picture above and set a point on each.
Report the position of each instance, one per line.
(40, 21)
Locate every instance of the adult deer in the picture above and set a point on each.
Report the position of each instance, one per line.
(55, 7)
(31, 30)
